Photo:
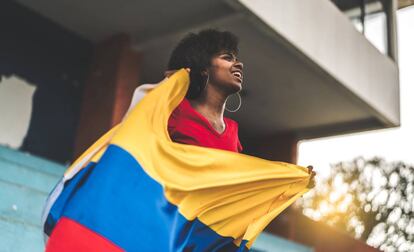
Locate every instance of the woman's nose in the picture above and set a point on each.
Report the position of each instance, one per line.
(239, 65)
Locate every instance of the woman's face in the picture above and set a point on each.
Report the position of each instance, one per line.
(226, 72)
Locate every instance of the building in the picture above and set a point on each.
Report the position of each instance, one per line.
(309, 73)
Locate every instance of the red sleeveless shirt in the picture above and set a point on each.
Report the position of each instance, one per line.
(187, 126)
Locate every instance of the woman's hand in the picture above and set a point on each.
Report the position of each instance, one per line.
(168, 73)
(312, 178)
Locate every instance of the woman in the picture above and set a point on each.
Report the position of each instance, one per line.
(216, 73)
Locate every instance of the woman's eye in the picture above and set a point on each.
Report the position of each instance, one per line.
(228, 57)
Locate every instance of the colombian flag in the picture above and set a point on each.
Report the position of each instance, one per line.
(136, 190)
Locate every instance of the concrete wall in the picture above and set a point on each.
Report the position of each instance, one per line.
(324, 37)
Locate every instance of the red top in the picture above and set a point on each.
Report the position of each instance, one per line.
(187, 126)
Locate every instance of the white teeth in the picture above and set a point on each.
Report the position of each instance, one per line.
(237, 74)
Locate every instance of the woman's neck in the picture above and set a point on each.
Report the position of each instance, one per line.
(211, 104)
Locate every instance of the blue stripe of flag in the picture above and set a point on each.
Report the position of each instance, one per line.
(118, 200)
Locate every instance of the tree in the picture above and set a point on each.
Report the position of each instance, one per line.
(371, 199)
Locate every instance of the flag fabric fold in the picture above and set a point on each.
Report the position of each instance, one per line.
(136, 190)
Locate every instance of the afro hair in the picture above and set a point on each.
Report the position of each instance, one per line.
(196, 50)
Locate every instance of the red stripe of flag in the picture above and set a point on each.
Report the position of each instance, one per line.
(69, 236)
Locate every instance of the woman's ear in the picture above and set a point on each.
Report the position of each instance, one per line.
(204, 73)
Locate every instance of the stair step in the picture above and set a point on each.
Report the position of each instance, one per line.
(19, 236)
(25, 182)
(21, 203)
(25, 176)
(30, 161)
(270, 242)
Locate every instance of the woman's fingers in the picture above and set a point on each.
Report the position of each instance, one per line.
(312, 177)
(311, 183)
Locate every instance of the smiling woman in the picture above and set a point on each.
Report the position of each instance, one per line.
(215, 74)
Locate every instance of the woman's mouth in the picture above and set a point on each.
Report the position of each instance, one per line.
(238, 74)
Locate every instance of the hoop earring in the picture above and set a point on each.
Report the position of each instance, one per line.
(207, 80)
(238, 107)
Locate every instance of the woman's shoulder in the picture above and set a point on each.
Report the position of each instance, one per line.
(183, 118)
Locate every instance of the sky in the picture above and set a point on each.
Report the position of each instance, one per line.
(395, 144)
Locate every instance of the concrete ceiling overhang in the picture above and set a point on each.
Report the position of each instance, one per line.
(352, 8)
(286, 87)
(346, 5)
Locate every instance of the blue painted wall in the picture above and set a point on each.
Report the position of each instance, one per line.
(25, 182)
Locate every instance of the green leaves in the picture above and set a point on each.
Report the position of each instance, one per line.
(371, 199)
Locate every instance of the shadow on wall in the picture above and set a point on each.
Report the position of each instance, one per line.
(55, 61)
